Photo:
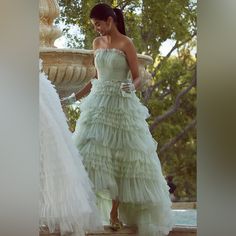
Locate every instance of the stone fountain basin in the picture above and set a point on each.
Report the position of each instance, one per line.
(71, 69)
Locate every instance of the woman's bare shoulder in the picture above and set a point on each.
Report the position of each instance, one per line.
(97, 42)
(126, 39)
(128, 43)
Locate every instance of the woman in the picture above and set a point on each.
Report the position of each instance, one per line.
(67, 202)
(113, 137)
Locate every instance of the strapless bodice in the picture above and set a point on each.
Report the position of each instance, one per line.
(111, 65)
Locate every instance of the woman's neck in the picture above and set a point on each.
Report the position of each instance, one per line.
(113, 35)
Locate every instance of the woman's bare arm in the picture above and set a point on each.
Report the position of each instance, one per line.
(132, 59)
(84, 91)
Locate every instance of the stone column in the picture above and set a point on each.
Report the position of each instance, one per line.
(48, 11)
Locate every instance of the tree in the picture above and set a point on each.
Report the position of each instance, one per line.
(171, 94)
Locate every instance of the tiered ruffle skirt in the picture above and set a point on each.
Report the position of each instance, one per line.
(120, 157)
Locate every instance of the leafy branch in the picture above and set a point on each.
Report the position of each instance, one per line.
(179, 136)
(176, 104)
(150, 89)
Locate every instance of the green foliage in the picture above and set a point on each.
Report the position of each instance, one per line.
(150, 23)
(179, 159)
(72, 114)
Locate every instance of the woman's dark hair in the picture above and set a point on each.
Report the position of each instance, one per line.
(102, 11)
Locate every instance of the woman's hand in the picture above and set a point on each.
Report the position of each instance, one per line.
(127, 87)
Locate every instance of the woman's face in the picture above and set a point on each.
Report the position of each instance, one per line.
(102, 27)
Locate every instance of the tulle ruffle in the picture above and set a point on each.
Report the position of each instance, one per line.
(66, 200)
(120, 157)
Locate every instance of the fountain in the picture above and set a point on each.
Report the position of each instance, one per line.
(69, 69)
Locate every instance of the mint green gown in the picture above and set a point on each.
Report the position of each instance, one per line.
(119, 152)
